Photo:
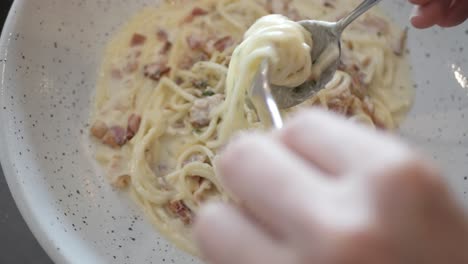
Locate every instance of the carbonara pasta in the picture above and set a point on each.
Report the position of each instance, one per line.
(173, 85)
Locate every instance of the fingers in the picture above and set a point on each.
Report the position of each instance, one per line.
(275, 185)
(226, 236)
(429, 14)
(457, 14)
(334, 145)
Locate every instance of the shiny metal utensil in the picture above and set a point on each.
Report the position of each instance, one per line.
(324, 34)
(262, 98)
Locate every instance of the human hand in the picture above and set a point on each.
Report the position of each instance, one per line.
(445, 13)
(324, 190)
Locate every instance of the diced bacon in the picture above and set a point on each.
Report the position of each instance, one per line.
(122, 182)
(99, 129)
(137, 40)
(179, 209)
(179, 80)
(223, 43)
(399, 44)
(116, 74)
(166, 48)
(201, 110)
(187, 62)
(131, 67)
(134, 122)
(115, 137)
(162, 35)
(155, 71)
(328, 4)
(195, 42)
(341, 104)
(196, 12)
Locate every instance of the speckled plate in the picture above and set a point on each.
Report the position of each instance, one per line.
(50, 53)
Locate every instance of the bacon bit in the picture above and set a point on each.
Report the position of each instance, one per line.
(187, 62)
(223, 43)
(122, 182)
(196, 12)
(115, 137)
(99, 129)
(179, 209)
(399, 46)
(179, 80)
(131, 67)
(366, 62)
(166, 48)
(137, 40)
(134, 122)
(328, 4)
(155, 71)
(116, 74)
(339, 105)
(162, 35)
(195, 42)
(201, 110)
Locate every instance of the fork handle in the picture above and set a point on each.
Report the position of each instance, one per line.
(361, 9)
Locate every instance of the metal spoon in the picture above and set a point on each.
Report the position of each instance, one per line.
(324, 35)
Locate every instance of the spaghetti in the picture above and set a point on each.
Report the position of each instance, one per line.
(172, 87)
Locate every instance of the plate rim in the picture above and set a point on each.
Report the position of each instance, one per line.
(6, 161)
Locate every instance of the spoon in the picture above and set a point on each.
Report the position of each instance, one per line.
(325, 35)
(262, 99)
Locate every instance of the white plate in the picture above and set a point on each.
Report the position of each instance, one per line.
(50, 51)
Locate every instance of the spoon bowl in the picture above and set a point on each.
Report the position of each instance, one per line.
(326, 38)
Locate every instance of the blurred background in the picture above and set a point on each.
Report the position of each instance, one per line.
(18, 245)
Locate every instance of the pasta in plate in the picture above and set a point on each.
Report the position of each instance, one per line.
(173, 82)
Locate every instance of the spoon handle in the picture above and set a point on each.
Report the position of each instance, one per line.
(361, 9)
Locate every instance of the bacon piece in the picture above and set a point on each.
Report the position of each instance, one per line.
(131, 67)
(137, 40)
(195, 42)
(115, 137)
(134, 122)
(223, 43)
(201, 110)
(99, 129)
(179, 209)
(328, 4)
(122, 182)
(155, 71)
(340, 105)
(116, 74)
(162, 35)
(187, 62)
(166, 48)
(196, 12)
